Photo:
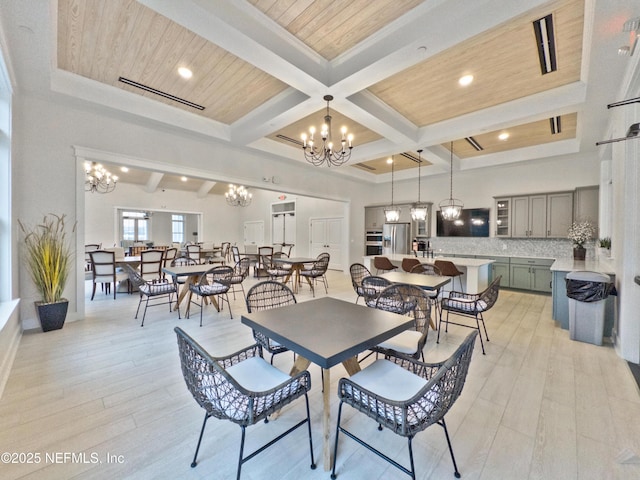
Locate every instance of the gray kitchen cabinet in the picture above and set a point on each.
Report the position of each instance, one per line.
(373, 217)
(500, 266)
(559, 214)
(586, 205)
(545, 215)
(531, 274)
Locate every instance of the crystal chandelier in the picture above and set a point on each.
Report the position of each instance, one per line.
(238, 196)
(98, 179)
(451, 207)
(317, 155)
(392, 213)
(419, 210)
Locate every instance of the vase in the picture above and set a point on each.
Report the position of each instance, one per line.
(52, 315)
(579, 253)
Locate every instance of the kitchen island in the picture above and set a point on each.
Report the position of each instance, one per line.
(476, 270)
(559, 270)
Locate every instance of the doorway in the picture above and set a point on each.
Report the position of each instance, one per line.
(325, 235)
(254, 233)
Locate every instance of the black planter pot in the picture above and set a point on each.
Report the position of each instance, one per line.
(52, 315)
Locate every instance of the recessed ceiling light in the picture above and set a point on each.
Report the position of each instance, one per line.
(185, 72)
(184, 179)
(389, 161)
(503, 136)
(124, 169)
(465, 80)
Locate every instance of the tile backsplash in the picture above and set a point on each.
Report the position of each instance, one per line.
(508, 247)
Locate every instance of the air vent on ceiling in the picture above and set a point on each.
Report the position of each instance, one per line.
(289, 139)
(166, 95)
(362, 165)
(556, 125)
(472, 141)
(411, 157)
(545, 41)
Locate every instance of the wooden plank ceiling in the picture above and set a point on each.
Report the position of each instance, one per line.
(105, 40)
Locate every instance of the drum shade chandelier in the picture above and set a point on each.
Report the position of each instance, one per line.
(98, 179)
(451, 208)
(392, 213)
(238, 196)
(419, 210)
(326, 153)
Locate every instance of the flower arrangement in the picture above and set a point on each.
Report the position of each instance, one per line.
(580, 232)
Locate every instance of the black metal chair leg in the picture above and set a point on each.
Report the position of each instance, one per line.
(480, 335)
(413, 470)
(241, 451)
(335, 447)
(453, 458)
(313, 462)
(195, 456)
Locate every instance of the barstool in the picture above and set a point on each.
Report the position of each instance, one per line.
(448, 269)
(384, 264)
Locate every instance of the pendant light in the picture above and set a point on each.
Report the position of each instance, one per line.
(392, 213)
(419, 210)
(451, 208)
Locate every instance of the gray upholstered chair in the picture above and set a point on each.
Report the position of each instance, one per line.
(405, 396)
(358, 273)
(470, 305)
(151, 290)
(241, 388)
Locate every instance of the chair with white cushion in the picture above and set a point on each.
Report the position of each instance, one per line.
(215, 282)
(406, 300)
(470, 305)
(152, 290)
(405, 396)
(358, 273)
(105, 271)
(242, 388)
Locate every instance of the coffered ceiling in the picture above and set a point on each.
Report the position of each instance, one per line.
(261, 69)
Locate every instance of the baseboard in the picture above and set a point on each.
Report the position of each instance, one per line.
(10, 334)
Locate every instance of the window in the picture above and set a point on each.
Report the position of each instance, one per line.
(177, 228)
(135, 226)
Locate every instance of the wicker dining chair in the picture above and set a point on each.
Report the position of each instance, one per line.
(405, 396)
(406, 300)
(428, 269)
(318, 271)
(215, 282)
(242, 388)
(152, 290)
(240, 274)
(267, 295)
(358, 273)
(470, 305)
(277, 270)
(371, 288)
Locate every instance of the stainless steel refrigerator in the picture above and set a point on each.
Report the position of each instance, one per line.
(396, 238)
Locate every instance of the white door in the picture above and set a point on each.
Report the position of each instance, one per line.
(326, 236)
(254, 233)
(283, 228)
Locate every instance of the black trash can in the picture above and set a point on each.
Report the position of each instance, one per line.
(587, 292)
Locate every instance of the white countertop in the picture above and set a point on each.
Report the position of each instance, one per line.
(571, 265)
(460, 261)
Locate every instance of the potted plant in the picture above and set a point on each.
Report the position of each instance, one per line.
(48, 259)
(604, 247)
(579, 233)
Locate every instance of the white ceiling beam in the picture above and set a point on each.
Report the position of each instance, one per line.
(154, 180)
(205, 188)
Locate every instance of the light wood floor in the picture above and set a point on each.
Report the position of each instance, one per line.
(536, 406)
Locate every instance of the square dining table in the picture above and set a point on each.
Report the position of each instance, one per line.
(192, 274)
(297, 264)
(327, 331)
(427, 282)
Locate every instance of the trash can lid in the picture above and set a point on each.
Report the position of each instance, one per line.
(586, 276)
